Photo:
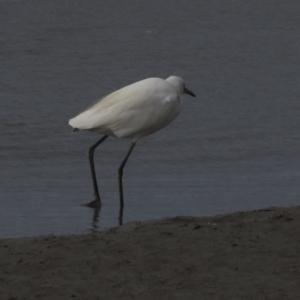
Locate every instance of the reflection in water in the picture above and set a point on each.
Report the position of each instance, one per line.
(95, 221)
(121, 215)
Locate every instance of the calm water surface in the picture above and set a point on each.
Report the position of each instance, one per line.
(234, 147)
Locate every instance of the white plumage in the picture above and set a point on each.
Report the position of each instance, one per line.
(134, 111)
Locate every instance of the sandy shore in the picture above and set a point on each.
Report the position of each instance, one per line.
(252, 255)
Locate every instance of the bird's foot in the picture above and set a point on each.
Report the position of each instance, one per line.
(96, 203)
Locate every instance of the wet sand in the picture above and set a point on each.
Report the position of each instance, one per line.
(245, 255)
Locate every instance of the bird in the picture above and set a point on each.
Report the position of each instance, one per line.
(132, 112)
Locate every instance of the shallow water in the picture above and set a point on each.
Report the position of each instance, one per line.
(234, 147)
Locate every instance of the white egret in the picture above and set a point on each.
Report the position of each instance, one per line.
(133, 111)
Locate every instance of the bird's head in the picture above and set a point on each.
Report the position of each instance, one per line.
(179, 85)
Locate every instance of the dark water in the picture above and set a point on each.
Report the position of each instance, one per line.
(235, 147)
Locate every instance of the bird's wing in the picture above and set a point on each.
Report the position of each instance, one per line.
(94, 116)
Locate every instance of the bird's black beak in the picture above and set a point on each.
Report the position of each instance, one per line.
(186, 91)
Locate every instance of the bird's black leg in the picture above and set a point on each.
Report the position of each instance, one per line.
(120, 175)
(97, 200)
